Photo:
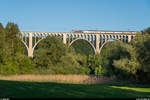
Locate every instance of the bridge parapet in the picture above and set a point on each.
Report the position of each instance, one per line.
(126, 32)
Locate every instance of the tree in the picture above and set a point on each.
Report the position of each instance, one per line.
(13, 60)
(13, 42)
(137, 66)
(57, 58)
(82, 47)
(126, 67)
(99, 70)
(2, 45)
(49, 52)
(141, 44)
(146, 31)
(110, 52)
(67, 65)
(93, 61)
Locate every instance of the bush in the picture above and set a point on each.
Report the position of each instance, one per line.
(85, 71)
(49, 51)
(99, 70)
(82, 47)
(9, 69)
(125, 69)
(141, 43)
(26, 66)
(67, 65)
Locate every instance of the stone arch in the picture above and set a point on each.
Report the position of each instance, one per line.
(85, 40)
(35, 45)
(106, 43)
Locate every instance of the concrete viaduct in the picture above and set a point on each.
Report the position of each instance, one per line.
(96, 39)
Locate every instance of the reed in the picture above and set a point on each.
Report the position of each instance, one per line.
(86, 79)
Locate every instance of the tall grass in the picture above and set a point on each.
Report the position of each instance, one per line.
(88, 79)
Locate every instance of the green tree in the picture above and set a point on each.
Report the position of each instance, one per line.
(67, 65)
(146, 31)
(83, 62)
(14, 44)
(99, 70)
(137, 65)
(110, 52)
(3, 57)
(49, 52)
(12, 57)
(141, 44)
(93, 61)
(126, 67)
(82, 47)
(56, 58)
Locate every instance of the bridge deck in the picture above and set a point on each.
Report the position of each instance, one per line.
(126, 33)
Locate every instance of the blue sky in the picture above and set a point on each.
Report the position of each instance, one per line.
(65, 15)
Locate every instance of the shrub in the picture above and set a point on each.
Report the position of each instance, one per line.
(26, 66)
(99, 70)
(85, 70)
(9, 69)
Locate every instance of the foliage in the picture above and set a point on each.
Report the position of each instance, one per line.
(85, 71)
(9, 69)
(110, 52)
(136, 65)
(25, 65)
(13, 42)
(82, 47)
(99, 70)
(93, 62)
(142, 48)
(58, 58)
(127, 65)
(146, 31)
(3, 58)
(67, 65)
(49, 52)
(12, 58)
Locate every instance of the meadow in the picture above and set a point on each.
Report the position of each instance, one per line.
(11, 88)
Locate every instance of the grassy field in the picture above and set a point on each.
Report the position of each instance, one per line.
(22, 89)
